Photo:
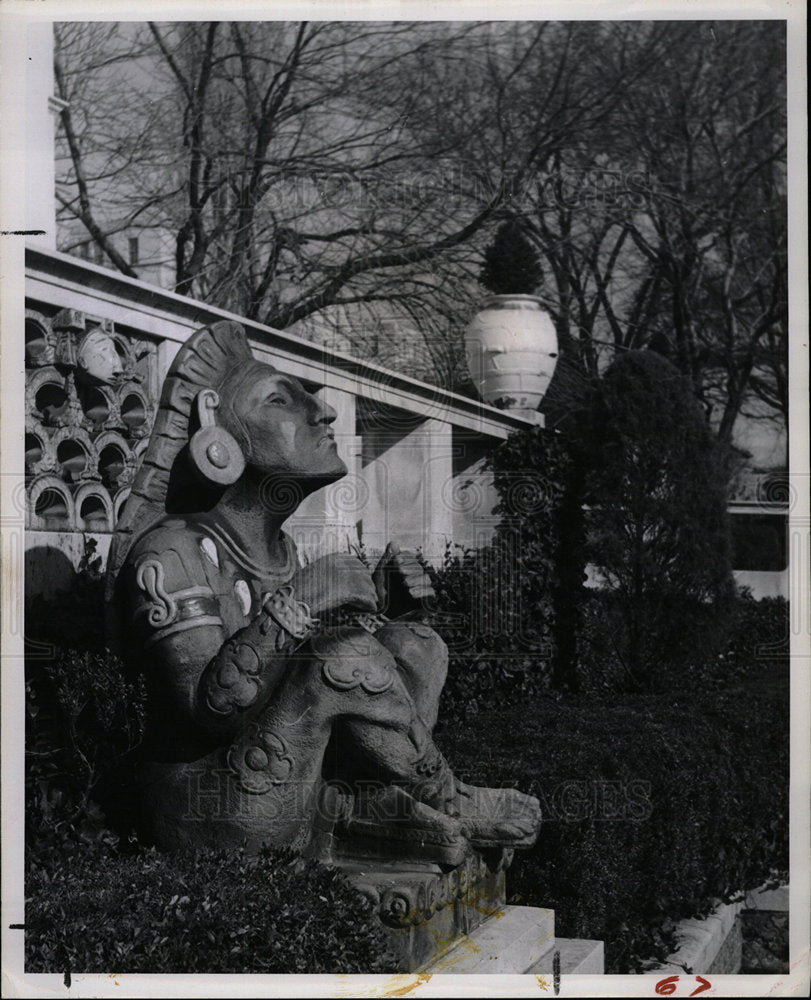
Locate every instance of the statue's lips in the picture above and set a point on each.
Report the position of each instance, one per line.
(326, 439)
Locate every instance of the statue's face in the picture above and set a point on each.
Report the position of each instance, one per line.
(98, 359)
(288, 428)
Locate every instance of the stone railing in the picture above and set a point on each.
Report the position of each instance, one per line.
(748, 936)
(415, 452)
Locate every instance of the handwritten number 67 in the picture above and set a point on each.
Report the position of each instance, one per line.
(667, 986)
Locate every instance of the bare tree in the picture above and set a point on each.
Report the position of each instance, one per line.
(343, 179)
(269, 151)
(334, 172)
(711, 136)
(664, 226)
(104, 132)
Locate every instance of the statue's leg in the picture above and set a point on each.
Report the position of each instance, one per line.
(265, 786)
(352, 679)
(422, 662)
(367, 694)
(277, 760)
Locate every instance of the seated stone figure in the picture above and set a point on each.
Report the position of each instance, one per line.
(282, 706)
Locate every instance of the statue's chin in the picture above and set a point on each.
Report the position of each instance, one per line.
(308, 481)
(333, 475)
(325, 472)
(332, 471)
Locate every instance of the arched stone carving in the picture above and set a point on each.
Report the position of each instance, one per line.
(93, 508)
(76, 431)
(135, 411)
(50, 505)
(39, 452)
(114, 472)
(39, 340)
(76, 457)
(99, 408)
(47, 397)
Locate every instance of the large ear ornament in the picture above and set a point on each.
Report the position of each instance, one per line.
(214, 454)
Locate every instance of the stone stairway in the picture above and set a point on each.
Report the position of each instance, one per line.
(519, 939)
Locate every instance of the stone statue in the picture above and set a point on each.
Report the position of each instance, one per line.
(282, 705)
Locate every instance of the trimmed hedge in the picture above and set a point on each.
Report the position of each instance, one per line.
(655, 806)
(488, 664)
(753, 637)
(508, 610)
(206, 911)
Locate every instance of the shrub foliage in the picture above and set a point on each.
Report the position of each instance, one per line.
(657, 523)
(205, 911)
(505, 610)
(84, 719)
(656, 806)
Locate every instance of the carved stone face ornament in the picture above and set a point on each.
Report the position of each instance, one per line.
(98, 360)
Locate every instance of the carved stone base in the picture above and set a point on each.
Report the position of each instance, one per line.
(426, 910)
(443, 902)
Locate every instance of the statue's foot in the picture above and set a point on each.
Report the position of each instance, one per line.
(391, 823)
(394, 810)
(489, 817)
(496, 817)
(390, 820)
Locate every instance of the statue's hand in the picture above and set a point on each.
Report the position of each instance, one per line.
(335, 581)
(401, 581)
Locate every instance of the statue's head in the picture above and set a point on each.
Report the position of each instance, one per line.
(224, 415)
(279, 427)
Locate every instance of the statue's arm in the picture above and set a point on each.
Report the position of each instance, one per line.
(222, 682)
(210, 677)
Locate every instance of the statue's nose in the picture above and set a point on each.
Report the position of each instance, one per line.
(322, 412)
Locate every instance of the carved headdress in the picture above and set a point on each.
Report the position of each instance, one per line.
(205, 361)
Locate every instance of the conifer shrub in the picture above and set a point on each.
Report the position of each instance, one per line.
(657, 524)
(511, 265)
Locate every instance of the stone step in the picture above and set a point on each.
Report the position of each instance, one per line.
(513, 941)
(578, 957)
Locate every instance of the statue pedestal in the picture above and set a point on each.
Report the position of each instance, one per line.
(443, 902)
(426, 910)
(457, 920)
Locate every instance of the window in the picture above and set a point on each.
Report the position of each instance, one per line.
(134, 251)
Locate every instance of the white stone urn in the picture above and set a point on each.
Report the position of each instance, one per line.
(512, 349)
